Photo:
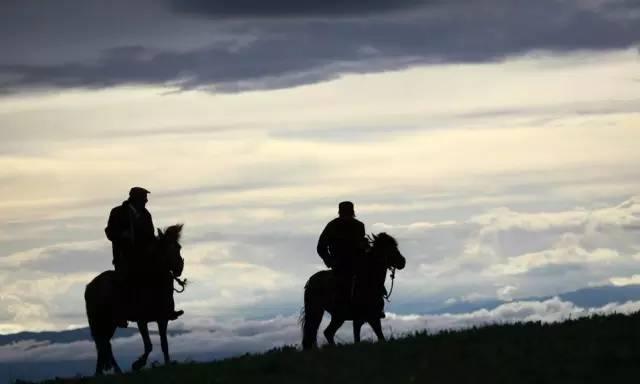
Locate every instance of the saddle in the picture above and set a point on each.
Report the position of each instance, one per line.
(355, 299)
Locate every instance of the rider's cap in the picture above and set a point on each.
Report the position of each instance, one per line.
(138, 192)
(346, 208)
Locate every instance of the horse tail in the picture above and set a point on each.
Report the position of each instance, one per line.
(91, 307)
(98, 299)
(310, 315)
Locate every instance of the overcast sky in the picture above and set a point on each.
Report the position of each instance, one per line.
(497, 140)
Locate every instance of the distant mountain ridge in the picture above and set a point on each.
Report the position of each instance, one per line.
(591, 297)
(586, 297)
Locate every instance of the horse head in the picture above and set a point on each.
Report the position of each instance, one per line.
(169, 247)
(385, 245)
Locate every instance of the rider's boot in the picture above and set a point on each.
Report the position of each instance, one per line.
(173, 315)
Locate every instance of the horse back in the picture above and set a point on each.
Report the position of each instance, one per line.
(319, 279)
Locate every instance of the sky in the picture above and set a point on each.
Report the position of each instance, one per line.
(496, 140)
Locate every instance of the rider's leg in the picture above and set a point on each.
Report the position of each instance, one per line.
(344, 291)
(120, 296)
(172, 314)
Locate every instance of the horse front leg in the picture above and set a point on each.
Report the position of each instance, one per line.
(164, 343)
(148, 347)
(112, 361)
(357, 326)
(332, 328)
(100, 361)
(377, 328)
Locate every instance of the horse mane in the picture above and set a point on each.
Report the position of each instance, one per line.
(384, 238)
(173, 233)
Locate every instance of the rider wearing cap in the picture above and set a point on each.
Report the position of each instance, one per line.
(340, 245)
(130, 229)
(131, 232)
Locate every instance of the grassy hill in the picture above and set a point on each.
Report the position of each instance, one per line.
(599, 349)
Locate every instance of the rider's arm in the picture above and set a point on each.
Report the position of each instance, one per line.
(361, 231)
(362, 235)
(323, 244)
(149, 231)
(112, 231)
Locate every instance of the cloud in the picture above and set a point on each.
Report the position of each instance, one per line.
(288, 8)
(622, 281)
(206, 339)
(555, 257)
(296, 52)
(59, 258)
(506, 292)
(461, 198)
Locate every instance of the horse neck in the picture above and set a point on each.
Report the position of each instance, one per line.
(158, 254)
(377, 260)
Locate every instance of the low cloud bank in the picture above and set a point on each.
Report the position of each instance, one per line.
(208, 339)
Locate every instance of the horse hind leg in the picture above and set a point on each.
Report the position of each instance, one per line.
(332, 328)
(148, 347)
(164, 343)
(310, 319)
(357, 327)
(112, 360)
(100, 359)
(377, 328)
(104, 361)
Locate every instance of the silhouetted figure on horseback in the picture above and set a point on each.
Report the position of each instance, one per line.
(354, 288)
(131, 232)
(341, 246)
(141, 287)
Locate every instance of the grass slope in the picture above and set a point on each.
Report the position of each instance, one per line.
(602, 349)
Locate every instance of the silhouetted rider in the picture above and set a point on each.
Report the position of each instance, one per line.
(130, 229)
(341, 244)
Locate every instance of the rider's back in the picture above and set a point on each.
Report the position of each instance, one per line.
(345, 236)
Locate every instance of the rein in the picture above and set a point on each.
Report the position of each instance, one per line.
(393, 277)
(386, 296)
(181, 282)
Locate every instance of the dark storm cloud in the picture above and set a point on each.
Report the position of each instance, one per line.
(296, 50)
(280, 8)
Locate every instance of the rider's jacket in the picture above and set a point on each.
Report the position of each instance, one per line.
(341, 242)
(131, 232)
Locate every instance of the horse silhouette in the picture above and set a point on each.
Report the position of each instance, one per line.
(367, 298)
(155, 289)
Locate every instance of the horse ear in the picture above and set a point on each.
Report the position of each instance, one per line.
(160, 234)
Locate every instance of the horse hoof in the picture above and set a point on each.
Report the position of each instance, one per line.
(138, 365)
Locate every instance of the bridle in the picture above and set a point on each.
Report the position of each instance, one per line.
(386, 296)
